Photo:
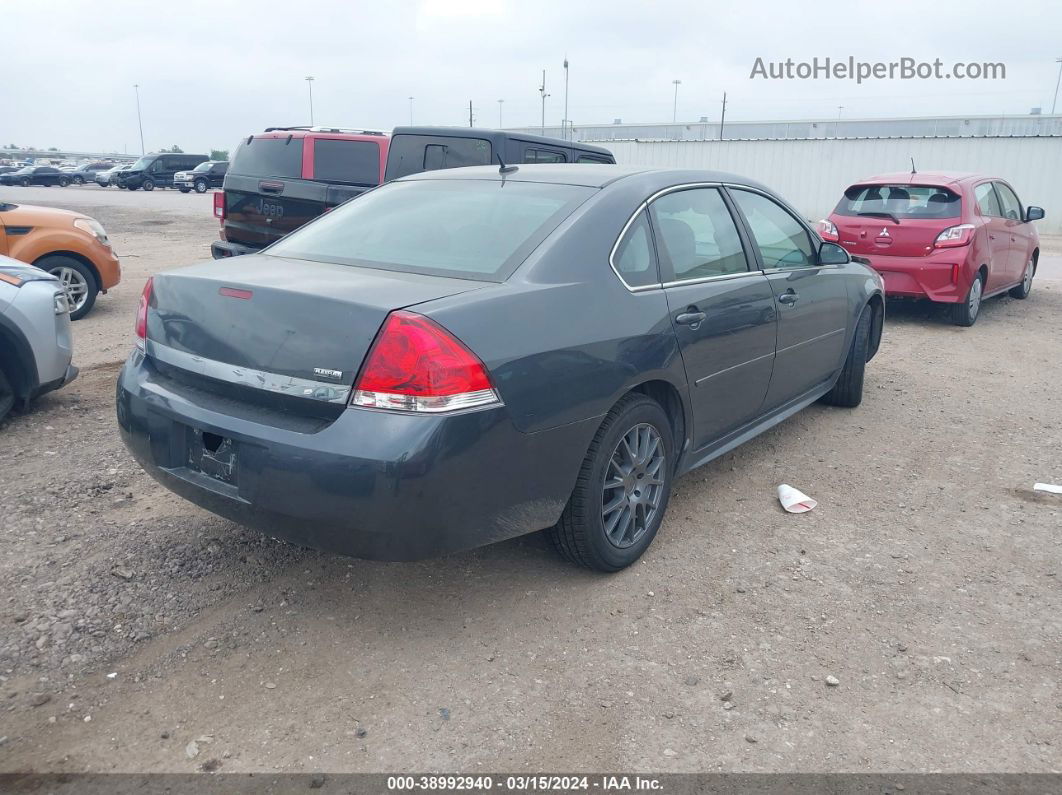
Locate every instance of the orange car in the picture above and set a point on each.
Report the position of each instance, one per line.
(69, 245)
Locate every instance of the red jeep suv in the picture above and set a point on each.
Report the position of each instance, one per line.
(951, 238)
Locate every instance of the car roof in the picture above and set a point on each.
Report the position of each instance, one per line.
(497, 136)
(927, 178)
(321, 132)
(591, 175)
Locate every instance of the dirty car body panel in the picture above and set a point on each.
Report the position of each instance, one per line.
(243, 397)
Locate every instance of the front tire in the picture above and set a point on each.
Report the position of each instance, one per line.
(78, 281)
(1021, 292)
(201, 186)
(148, 184)
(185, 190)
(965, 314)
(848, 391)
(25, 183)
(622, 490)
(63, 182)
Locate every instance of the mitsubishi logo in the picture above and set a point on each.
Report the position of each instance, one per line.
(884, 232)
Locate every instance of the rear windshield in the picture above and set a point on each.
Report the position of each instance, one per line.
(469, 229)
(352, 162)
(900, 201)
(411, 154)
(268, 157)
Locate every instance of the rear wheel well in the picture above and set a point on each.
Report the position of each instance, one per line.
(80, 258)
(670, 401)
(877, 323)
(983, 273)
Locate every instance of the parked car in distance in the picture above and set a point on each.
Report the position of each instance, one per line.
(157, 170)
(35, 343)
(9, 169)
(87, 172)
(36, 175)
(952, 238)
(466, 355)
(112, 178)
(206, 175)
(103, 178)
(71, 246)
(264, 199)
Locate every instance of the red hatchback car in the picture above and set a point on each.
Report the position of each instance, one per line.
(951, 238)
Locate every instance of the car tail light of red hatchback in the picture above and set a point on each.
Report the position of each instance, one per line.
(416, 365)
(955, 236)
(219, 205)
(141, 314)
(827, 231)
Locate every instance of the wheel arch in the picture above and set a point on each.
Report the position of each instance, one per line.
(877, 323)
(17, 360)
(670, 399)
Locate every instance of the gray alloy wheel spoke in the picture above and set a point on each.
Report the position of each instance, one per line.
(633, 487)
(616, 504)
(74, 285)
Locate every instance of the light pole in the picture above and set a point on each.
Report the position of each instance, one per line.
(500, 103)
(1059, 80)
(839, 109)
(674, 107)
(411, 111)
(140, 123)
(542, 91)
(566, 122)
(309, 86)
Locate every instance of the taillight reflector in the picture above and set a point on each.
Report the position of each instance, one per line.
(219, 205)
(416, 365)
(232, 292)
(142, 312)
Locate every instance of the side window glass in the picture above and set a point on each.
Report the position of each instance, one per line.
(634, 258)
(987, 203)
(591, 159)
(1010, 204)
(543, 156)
(781, 239)
(697, 235)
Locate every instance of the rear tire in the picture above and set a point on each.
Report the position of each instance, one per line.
(148, 184)
(63, 182)
(78, 279)
(24, 182)
(79, 181)
(965, 314)
(1021, 292)
(634, 450)
(848, 391)
(7, 396)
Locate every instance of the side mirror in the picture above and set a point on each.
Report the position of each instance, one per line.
(832, 254)
(1034, 213)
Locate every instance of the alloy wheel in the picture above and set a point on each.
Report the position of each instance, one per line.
(74, 284)
(1026, 281)
(634, 484)
(974, 300)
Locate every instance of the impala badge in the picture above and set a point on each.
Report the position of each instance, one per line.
(337, 374)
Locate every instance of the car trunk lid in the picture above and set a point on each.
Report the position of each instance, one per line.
(894, 220)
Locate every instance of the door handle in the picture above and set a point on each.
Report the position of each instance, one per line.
(789, 297)
(688, 318)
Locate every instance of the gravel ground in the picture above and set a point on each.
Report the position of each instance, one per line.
(912, 622)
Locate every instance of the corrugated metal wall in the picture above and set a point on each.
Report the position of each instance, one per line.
(811, 174)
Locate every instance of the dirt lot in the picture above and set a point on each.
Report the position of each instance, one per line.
(139, 633)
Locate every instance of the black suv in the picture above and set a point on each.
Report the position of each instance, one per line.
(287, 176)
(157, 170)
(203, 177)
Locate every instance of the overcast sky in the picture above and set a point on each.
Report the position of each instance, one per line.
(211, 72)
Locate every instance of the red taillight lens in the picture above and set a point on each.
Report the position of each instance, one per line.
(827, 231)
(219, 205)
(141, 313)
(417, 365)
(955, 236)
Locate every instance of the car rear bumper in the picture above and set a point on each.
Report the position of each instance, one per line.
(220, 249)
(942, 276)
(371, 484)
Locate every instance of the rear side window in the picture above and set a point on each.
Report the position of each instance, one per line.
(411, 154)
(592, 159)
(633, 259)
(470, 229)
(355, 162)
(543, 156)
(900, 201)
(987, 203)
(269, 157)
(697, 234)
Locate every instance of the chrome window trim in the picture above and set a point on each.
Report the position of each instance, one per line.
(305, 388)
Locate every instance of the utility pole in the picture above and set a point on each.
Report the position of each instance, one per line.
(1059, 80)
(542, 91)
(500, 102)
(411, 111)
(839, 109)
(722, 117)
(470, 113)
(566, 123)
(140, 123)
(674, 107)
(309, 85)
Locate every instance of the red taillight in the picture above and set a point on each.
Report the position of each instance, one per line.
(827, 231)
(142, 312)
(417, 365)
(219, 205)
(955, 236)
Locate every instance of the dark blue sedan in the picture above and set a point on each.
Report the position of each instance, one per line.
(464, 356)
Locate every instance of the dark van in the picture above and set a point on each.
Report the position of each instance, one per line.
(280, 179)
(157, 170)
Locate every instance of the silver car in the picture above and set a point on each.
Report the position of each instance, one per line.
(35, 344)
